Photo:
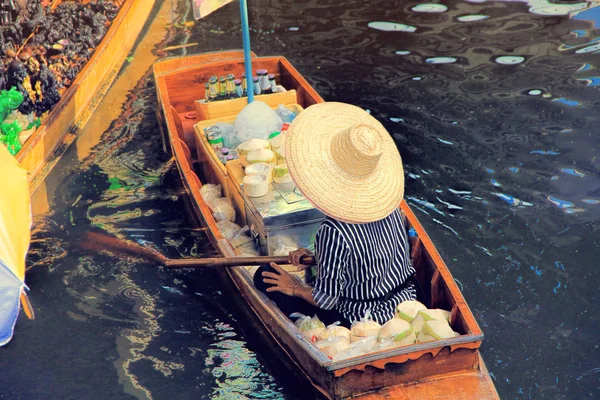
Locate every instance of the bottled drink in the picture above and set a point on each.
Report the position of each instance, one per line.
(215, 138)
(239, 91)
(213, 88)
(256, 85)
(244, 84)
(224, 154)
(206, 92)
(231, 86)
(272, 83)
(222, 88)
(263, 80)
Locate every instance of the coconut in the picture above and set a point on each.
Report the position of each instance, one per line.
(363, 329)
(422, 337)
(406, 338)
(438, 329)
(393, 327)
(407, 310)
(281, 174)
(333, 345)
(280, 154)
(417, 323)
(335, 331)
(277, 140)
(436, 314)
(260, 156)
(249, 145)
(309, 326)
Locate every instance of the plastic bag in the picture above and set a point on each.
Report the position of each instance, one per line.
(365, 327)
(310, 327)
(9, 100)
(286, 115)
(246, 250)
(10, 136)
(358, 348)
(283, 245)
(256, 120)
(333, 345)
(228, 229)
(210, 192)
(222, 209)
(335, 330)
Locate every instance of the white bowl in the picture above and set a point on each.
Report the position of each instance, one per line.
(260, 169)
(255, 185)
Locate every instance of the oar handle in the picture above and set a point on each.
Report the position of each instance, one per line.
(232, 261)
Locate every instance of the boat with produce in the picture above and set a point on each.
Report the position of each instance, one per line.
(225, 195)
(62, 57)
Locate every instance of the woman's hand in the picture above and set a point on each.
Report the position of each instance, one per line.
(282, 281)
(295, 257)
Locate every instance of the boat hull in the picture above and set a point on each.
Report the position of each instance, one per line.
(452, 368)
(78, 102)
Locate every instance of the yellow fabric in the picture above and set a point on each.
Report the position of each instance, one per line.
(15, 213)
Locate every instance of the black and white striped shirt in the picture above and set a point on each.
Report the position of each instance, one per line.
(358, 263)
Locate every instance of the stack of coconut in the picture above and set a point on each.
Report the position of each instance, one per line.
(413, 323)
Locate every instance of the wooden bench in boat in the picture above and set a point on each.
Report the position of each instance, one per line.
(448, 369)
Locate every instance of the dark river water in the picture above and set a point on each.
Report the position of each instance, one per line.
(495, 109)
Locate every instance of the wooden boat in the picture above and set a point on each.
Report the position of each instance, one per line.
(448, 369)
(79, 101)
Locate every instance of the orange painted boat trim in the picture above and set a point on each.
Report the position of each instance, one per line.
(78, 102)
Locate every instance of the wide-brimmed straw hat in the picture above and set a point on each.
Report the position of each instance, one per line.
(345, 162)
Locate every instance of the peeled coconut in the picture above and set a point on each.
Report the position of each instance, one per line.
(335, 331)
(406, 338)
(393, 327)
(422, 337)
(249, 145)
(277, 141)
(363, 329)
(407, 310)
(260, 156)
(333, 345)
(417, 323)
(438, 329)
(435, 314)
(281, 174)
(280, 154)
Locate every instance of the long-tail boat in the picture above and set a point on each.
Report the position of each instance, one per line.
(78, 102)
(442, 369)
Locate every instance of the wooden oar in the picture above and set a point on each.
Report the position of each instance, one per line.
(99, 241)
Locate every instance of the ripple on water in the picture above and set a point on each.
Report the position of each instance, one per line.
(509, 60)
(441, 60)
(391, 26)
(545, 7)
(472, 17)
(430, 8)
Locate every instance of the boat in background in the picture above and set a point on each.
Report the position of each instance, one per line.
(449, 369)
(59, 129)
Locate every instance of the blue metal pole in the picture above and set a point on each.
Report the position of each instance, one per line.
(246, 42)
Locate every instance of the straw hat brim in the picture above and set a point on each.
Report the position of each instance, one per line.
(341, 195)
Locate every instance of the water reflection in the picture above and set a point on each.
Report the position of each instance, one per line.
(501, 165)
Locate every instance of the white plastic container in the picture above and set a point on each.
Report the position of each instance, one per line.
(260, 169)
(255, 185)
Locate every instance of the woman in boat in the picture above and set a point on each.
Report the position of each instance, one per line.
(347, 165)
